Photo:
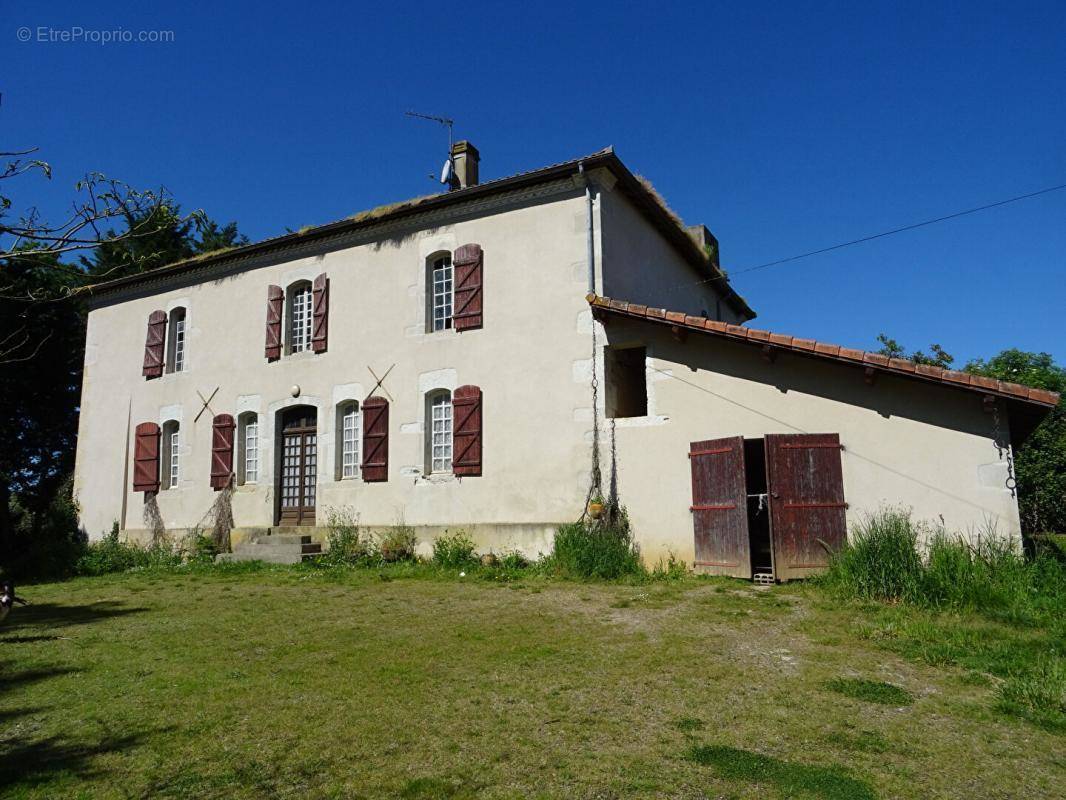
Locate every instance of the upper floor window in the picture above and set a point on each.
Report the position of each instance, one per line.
(170, 463)
(299, 322)
(176, 341)
(439, 429)
(248, 448)
(349, 432)
(440, 292)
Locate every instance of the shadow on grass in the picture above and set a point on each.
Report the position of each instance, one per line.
(32, 762)
(11, 679)
(792, 780)
(55, 615)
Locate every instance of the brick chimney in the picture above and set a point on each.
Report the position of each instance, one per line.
(707, 242)
(465, 157)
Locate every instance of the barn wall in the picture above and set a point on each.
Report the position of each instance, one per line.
(531, 360)
(907, 443)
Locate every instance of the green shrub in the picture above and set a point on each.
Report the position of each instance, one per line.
(453, 550)
(596, 548)
(46, 541)
(673, 569)
(398, 544)
(112, 555)
(513, 560)
(348, 545)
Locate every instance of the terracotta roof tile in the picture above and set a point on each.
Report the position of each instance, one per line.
(831, 351)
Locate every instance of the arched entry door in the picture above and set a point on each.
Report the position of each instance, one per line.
(299, 466)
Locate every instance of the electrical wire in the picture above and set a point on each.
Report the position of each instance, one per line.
(881, 235)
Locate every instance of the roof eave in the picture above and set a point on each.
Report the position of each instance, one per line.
(1035, 402)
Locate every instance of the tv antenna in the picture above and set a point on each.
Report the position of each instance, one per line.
(447, 173)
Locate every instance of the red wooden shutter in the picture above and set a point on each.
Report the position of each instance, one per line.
(146, 458)
(154, 344)
(221, 451)
(375, 465)
(468, 265)
(320, 319)
(466, 439)
(720, 507)
(275, 304)
(806, 501)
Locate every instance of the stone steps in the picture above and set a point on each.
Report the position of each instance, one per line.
(278, 546)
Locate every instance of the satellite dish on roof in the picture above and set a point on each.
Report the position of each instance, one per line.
(446, 172)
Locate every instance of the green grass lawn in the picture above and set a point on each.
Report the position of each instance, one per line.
(295, 683)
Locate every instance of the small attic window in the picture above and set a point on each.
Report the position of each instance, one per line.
(627, 382)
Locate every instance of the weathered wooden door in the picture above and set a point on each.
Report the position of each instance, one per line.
(720, 507)
(806, 501)
(299, 467)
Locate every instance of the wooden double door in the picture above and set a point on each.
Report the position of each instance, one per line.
(795, 480)
(298, 475)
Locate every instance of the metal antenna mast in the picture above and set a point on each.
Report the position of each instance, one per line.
(448, 123)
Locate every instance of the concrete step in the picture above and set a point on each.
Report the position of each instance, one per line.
(283, 538)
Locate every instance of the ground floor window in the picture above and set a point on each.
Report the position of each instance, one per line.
(248, 458)
(170, 463)
(348, 428)
(439, 428)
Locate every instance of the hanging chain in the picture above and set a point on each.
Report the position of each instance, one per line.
(595, 477)
(997, 439)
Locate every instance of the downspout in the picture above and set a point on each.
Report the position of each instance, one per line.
(589, 241)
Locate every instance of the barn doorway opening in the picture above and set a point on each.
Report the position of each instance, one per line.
(768, 509)
(758, 507)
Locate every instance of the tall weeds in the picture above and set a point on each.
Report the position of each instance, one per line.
(985, 573)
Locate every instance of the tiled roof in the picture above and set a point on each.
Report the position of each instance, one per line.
(645, 201)
(810, 347)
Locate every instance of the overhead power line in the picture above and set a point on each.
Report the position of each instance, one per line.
(886, 233)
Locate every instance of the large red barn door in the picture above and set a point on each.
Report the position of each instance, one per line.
(720, 507)
(806, 501)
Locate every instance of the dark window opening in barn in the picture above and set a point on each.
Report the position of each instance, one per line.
(627, 382)
(758, 506)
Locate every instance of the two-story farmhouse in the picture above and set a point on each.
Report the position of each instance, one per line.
(449, 362)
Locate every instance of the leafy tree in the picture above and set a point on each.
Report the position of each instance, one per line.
(1040, 463)
(893, 349)
(39, 389)
(214, 237)
(44, 270)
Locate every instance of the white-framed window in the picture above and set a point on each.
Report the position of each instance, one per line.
(176, 341)
(441, 293)
(439, 429)
(301, 304)
(170, 463)
(248, 449)
(349, 428)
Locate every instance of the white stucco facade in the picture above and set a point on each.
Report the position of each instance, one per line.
(908, 444)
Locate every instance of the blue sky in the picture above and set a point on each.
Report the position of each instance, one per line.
(782, 129)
